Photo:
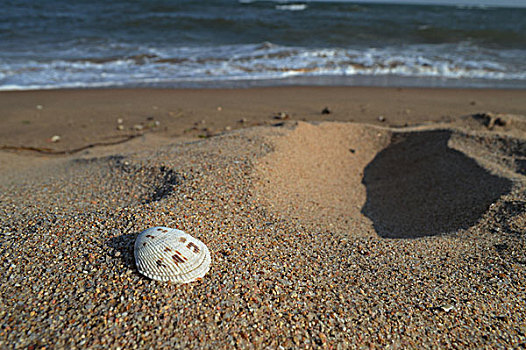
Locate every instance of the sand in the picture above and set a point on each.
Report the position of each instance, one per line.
(85, 117)
(340, 231)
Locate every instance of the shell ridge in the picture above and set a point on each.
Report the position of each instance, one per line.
(205, 261)
(202, 268)
(172, 268)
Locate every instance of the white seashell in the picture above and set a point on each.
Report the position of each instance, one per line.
(167, 254)
(55, 138)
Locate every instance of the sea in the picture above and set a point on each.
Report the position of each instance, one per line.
(230, 43)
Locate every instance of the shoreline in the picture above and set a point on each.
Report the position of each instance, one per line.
(354, 81)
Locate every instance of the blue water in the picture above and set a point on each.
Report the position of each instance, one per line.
(98, 43)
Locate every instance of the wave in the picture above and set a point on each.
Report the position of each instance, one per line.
(262, 61)
(292, 7)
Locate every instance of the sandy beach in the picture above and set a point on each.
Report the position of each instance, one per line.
(336, 217)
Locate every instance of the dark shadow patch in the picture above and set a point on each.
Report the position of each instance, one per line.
(418, 186)
(159, 182)
(167, 179)
(116, 159)
(501, 247)
(122, 247)
(521, 166)
(489, 120)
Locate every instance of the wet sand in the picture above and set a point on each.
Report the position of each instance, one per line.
(330, 230)
(84, 117)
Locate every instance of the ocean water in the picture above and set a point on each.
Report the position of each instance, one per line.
(229, 43)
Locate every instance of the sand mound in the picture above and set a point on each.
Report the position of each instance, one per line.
(316, 171)
(404, 183)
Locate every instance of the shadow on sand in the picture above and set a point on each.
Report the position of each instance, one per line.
(124, 244)
(418, 186)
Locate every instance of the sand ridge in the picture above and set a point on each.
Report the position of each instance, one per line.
(316, 171)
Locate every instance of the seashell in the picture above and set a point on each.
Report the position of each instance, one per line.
(167, 254)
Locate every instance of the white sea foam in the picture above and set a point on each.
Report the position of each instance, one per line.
(292, 7)
(264, 61)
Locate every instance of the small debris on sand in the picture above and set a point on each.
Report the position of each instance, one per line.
(55, 138)
(281, 116)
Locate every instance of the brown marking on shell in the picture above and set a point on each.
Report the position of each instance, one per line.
(192, 245)
(182, 239)
(150, 236)
(167, 249)
(178, 257)
(160, 263)
(144, 244)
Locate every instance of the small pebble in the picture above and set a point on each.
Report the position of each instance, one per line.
(447, 307)
(281, 116)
